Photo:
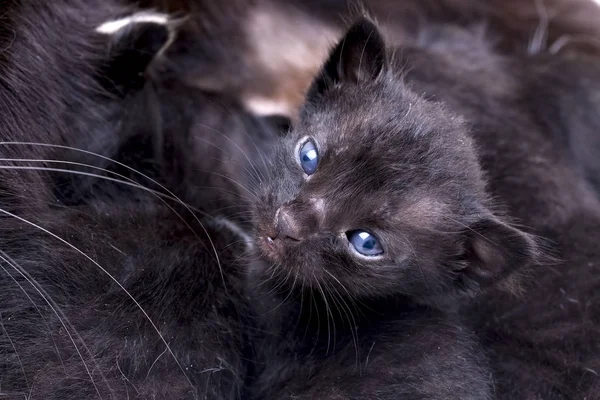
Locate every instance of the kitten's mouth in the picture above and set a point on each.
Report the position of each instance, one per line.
(271, 247)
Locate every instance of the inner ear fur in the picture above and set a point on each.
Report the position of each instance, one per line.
(131, 50)
(360, 56)
(494, 251)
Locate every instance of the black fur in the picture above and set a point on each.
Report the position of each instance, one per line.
(545, 344)
(71, 330)
(385, 344)
(404, 169)
(394, 162)
(219, 31)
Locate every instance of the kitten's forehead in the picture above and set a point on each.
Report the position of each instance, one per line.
(387, 128)
(387, 161)
(350, 117)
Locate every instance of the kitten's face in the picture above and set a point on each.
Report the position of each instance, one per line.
(377, 190)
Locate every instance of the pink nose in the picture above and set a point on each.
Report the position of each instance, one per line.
(287, 225)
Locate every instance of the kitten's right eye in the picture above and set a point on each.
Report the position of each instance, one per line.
(364, 243)
(309, 157)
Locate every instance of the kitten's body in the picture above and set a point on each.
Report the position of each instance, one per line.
(353, 349)
(125, 355)
(417, 187)
(539, 115)
(543, 344)
(108, 290)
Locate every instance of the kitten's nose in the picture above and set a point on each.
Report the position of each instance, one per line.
(287, 225)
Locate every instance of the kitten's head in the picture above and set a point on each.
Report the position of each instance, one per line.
(380, 191)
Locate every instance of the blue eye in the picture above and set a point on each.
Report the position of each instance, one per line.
(309, 157)
(365, 243)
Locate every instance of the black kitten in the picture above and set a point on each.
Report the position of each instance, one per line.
(115, 284)
(373, 224)
(530, 117)
(336, 170)
(538, 114)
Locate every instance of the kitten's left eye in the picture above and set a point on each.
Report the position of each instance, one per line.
(364, 243)
(309, 157)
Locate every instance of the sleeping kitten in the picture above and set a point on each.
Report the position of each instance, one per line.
(373, 224)
(376, 202)
(115, 280)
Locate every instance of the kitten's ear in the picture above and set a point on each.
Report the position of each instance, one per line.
(493, 250)
(359, 57)
(133, 43)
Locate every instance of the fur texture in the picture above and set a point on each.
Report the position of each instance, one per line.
(71, 330)
(115, 284)
(543, 344)
(405, 170)
(269, 51)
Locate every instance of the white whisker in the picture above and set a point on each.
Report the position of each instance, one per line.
(62, 318)
(258, 151)
(330, 317)
(348, 313)
(138, 305)
(56, 146)
(15, 350)
(38, 311)
(234, 181)
(235, 144)
(155, 361)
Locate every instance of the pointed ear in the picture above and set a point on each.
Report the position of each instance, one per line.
(133, 43)
(493, 250)
(359, 57)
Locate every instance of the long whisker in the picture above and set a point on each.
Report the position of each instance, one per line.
(329, 316)
(38, 311)
(62, 318)
(234, 181)
(350, 297)
(132, 184)
(280, 282)
(314, 300)
(290, 291)
(301, 306)
(255, 180)
(258, 151)
(14, 349)
(128, 182)
(125, 180)
(135, 171)
(234, 143)
(138, 305)
(254, 169)
(343, 306)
